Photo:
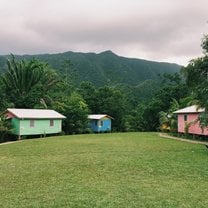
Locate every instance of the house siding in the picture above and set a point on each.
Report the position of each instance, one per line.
(15, 126)
(96, 126)
(41, 126)
(194, 127)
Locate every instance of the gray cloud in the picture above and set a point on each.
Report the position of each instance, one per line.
(162, 30)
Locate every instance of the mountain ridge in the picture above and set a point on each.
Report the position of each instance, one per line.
(101, 68)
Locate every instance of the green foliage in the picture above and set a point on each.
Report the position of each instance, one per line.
(196, 74)
(76, 111)
(90, 95)
(26, 82)
(135, 120)
(203, 118)
(165, 101)
(205, 44)
(5, 103)
(112, 102)
(105, 68)
(116, 86)
(168, 120)
(129, 90)
(5, 127)
(105, 100)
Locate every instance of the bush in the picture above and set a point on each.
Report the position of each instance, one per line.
(6, 136)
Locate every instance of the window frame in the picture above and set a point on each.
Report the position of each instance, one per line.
(185, 117)
(32, 123)
(51, 122)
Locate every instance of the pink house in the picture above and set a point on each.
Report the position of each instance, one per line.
(189, 117)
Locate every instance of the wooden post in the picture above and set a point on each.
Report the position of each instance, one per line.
(19, 137)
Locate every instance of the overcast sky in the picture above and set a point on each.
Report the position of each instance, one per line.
(161, 30)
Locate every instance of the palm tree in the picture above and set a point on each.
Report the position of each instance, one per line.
(168, 120)
(28, 80)
(22, 76)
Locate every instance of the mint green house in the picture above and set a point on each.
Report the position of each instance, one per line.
(34, 121)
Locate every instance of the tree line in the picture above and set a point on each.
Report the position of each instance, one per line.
(34, 84)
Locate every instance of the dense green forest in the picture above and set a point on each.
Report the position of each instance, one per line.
(139, 95)
(101, 69)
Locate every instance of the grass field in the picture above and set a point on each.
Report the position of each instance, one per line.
(103, 170)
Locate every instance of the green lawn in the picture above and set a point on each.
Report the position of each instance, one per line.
(104, 170)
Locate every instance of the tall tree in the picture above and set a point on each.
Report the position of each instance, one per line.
(168, 120)
(76, 111)
(172, 88)
(27, 82)
(90, 94)
(196, 74)
(105, 100)
(112, 102)
(204, 44)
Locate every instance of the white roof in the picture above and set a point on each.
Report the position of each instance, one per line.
(190, 109)
(35, 113)
(98, 116)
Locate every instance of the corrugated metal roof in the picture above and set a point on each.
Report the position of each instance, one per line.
(98, 116)
(35, 113)
(190, 109)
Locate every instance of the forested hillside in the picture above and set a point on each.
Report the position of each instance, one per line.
(101, 69)
(134, 92)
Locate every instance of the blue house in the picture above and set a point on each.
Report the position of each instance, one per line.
(100, 123)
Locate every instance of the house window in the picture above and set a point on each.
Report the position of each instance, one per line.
(101, 123)
(51, 122)
(185, 117)
(32, 123)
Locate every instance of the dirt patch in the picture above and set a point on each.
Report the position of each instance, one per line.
(9, 142)
(180, 139)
